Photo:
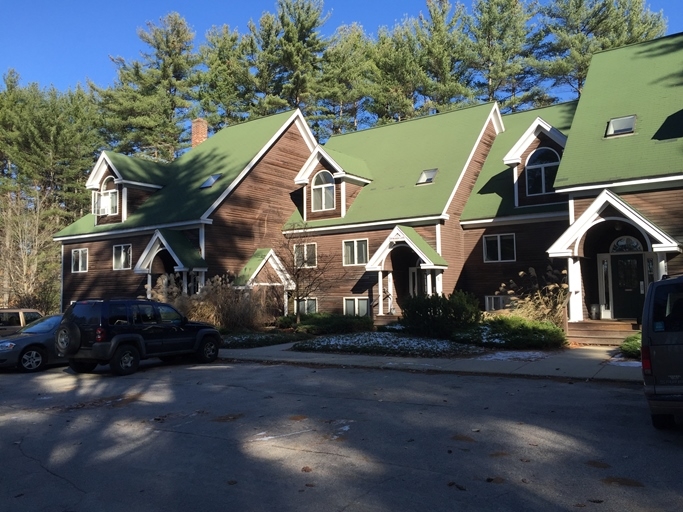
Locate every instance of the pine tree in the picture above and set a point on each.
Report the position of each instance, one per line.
(226, 88)
(261, 51)
(300, 52)
(48, 144)
(501, 50)
(348, 73)
(443, 56)
(576, 29)
(146, 111)
(396, 94)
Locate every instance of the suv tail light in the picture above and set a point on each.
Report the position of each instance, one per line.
(646, 360)
(100, 335)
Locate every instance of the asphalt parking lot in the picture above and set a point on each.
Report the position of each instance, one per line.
(245, 436)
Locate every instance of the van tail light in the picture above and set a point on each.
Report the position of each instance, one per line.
(646, 360)
(100, 335)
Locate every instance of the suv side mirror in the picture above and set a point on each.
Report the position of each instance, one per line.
(184, 321)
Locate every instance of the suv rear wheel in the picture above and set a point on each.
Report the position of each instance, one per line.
(208, 350)
(67, 339)
(125, 361)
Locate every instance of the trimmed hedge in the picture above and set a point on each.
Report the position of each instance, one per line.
(438, 316)
(326, 323)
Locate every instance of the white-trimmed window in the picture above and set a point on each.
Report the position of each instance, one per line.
(122, 257)
(356, 306)
(307, 306)
(621, 126)
(356, 252)
(79, 260)
(323, 192)
(106, 201)
(541, 170)
(499, 248)
(305, 255)
(496, 302)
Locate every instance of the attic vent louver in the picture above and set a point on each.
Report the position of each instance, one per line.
(621, 126)
(427, 176)
(210, 181)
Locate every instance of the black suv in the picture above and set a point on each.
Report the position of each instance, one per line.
(121, 332)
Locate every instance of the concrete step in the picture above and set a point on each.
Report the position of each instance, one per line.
(605, 332)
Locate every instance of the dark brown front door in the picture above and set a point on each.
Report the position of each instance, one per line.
(628, 285)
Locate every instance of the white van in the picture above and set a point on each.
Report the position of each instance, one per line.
(662, 351)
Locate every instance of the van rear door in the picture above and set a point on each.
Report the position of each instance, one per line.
(663, 332)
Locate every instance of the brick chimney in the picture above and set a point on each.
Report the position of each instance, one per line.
(200, 131)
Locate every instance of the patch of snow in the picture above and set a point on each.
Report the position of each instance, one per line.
(619, 360)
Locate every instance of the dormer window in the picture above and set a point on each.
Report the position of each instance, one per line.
(427, 176)
(106, 201)
(323, 192)
(621, 126)
(541, 170)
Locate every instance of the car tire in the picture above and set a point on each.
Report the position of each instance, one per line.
(32, 359)
(82, 366)
(208, 350)
(125, 361)
(663, 421)
(67, 339)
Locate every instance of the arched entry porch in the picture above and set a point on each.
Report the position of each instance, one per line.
(613, 253)
(170, 252)
(406, 265)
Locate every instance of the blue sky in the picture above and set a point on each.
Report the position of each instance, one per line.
(63, 43)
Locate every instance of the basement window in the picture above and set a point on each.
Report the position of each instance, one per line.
(427, 176)
(210, 181)
(621, 126)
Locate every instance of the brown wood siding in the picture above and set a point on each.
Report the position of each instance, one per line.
(452, 235)
(348, 281)
(663, 208)
(581, 204)
(531, 243)
(101, 281)
(253, 215)
(352, 191)
(543, 141)
(136, 197)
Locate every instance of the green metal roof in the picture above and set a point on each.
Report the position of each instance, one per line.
(426, 249)
(251, 267)
(644, 80)
(227, 153)
(396, 155)
(493, 194)
(141, 170)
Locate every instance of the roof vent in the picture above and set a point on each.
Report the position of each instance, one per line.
(621, 126)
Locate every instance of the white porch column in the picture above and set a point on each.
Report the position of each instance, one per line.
(185, 282)
(380, 293)
(390, 291)
(575, 289)
(430, 286)
(286, 312)
(439, 282)
(149, 286)
(661, 265)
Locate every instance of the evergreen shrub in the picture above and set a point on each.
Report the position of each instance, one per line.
(438, 316)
